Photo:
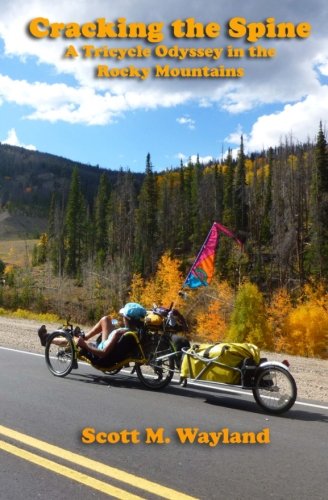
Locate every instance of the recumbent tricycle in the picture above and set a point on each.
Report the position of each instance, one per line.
(155, 352)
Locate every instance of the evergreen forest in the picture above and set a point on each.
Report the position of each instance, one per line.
(275, 202)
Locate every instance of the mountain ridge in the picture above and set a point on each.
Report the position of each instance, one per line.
(28, 180)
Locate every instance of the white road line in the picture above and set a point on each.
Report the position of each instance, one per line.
(21, 352)
(200, 385)
(223, 389)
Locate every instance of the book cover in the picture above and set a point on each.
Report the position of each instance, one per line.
(146, 88)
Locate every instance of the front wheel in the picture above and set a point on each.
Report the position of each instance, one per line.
(157, 373)
(275, 389)
(60, 353)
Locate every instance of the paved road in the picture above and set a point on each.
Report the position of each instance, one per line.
(53, 411)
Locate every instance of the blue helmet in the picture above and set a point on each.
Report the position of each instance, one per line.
(132, 310)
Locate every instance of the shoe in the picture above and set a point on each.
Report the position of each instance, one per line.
(75, 364)
(77, 331)
(43, 335)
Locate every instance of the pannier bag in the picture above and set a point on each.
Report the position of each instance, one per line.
(153, 320)
(231, 354)
(161, 317)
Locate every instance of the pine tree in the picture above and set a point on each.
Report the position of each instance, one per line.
(228, 216)
(147, 231)
(51, 218)
(266, 221)
(320, 208)
(182, 227)
(218, 193)
(322, 160)
(240, 202)
(56, 252)
(100, 220)
(121, 219)
(322, 173)
(75, 227)
(225, 263)
(195, 207)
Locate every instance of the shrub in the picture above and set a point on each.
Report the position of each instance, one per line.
(248, 320)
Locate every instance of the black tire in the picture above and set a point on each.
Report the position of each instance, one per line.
(275, 389)
(157, 373)
(60, 358)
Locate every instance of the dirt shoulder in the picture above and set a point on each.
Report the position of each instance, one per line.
(311, 374)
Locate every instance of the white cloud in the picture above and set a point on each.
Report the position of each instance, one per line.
(234, 137)
(61, 102)
(300, 120)
(193, 158)
(187, 121)
(289, 78)
(202, 159)
(13, 140)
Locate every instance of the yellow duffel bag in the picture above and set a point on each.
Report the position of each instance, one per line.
(230, 354)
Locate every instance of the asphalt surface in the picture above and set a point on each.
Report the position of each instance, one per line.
(54, 410)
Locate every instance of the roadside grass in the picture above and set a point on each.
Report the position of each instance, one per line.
(25, 314)
(17, 252)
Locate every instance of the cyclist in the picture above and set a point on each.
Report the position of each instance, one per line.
(132, 314)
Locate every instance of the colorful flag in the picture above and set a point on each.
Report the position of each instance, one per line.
(202, 269)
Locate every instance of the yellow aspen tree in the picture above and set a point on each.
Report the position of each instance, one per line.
(307, 327)
(278, 312)
(136, 288)
(301, 330)
(211, 324)
(212, 316)
(163, 288)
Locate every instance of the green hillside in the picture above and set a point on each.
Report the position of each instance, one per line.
(29, 178)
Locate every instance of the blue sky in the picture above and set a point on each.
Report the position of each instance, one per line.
(56, 105)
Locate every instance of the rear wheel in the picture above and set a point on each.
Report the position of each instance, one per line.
(60, 353)
(159, 369)
(275, 389)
